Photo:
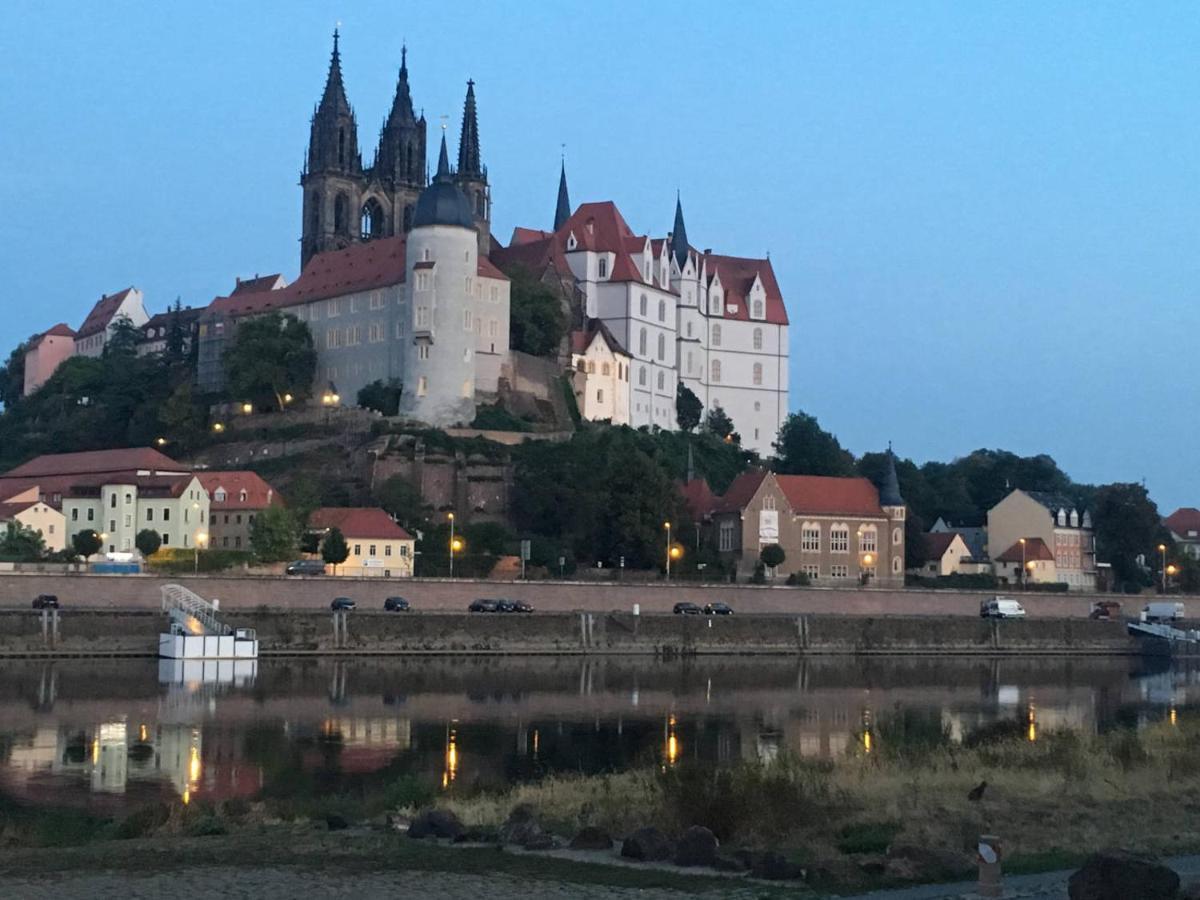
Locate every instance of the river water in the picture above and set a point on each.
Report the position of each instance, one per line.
(111, 734)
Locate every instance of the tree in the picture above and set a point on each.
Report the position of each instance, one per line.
(804, 448)
(12, 373)
(87, 543)
(536, 319)
(123, 338)
(383, 397)
(20, 543)
(147, 541)
(272, 355)
(772, 556)
(183, 417)
(334, 549)
(176, 335)
(1127, 526)
(402, 501)
(718, 422)
(688, 408)
(275, 534)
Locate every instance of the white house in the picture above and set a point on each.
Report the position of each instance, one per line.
(600, 372)
(94, 332)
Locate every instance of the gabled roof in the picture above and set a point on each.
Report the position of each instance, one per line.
(1035, 549)
(1054, 502)
(698, 497)
(155, 484)
(740, 491)
(91, 462)
(358, 522)
(102, 313)
(825, 495)
(582, 338)
(935, 544)
(737, 276)
(9, 511)
(259, 283)
(259, 494)
(187, 317)
(1184, 520)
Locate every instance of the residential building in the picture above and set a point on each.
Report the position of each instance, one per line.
(943, 553)
(1055, 520)
(1027, 560)
(834, 530)
(217, 324)
(119, 506)
(378, 546)
(93, 334)
(1184, 525)
(156, 333)
(45, 354)
(599, 374)
(25, 508)
(53, 474)
(972, 528)
(235, 500)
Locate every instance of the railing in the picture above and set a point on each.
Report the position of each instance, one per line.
(186, 607)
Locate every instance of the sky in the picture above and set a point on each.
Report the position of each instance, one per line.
(983, 216)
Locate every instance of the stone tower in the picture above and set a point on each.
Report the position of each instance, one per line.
(471, 176)
(397, 176)
(441, 261)
(896, 510)
(332, 176)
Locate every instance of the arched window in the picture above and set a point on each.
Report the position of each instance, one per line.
(662, 380)
(662, 310)
(591, 367)
(581, 366)
(768, 502)
(758, 373)
(481, 205)
(372, 220)
(603, 267)
(716, 370)
(662, 347)
(605, 369)
(340, 225)
(756, 309)
(642, 342)
(642, 376)
(757, 338)
(716, 335)
(642, 305)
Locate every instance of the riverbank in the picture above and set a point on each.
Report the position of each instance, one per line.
(101, 632)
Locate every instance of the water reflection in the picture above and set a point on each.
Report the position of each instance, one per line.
(116, 732)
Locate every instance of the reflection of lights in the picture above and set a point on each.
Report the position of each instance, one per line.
(867, 741)
(1174, 716)
(536, 741)
(673, 745)
(187, 797)
(194, 765)
(95, 750)
(450, 772)
(867, 737)
(142, 734)
(1032, 731)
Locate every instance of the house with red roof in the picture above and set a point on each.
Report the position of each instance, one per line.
(235, 499)
(1037, 519)
(28, 510)
(836, 531)
(217, 323)
(600, 370)
(716, 323)
(93, 334)
(1184, 525)
(943, 553)
(49, 350)
(1026, 560)
(378, 546)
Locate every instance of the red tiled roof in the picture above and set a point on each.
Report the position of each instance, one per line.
(1035, 549)
(935, 544)
(259, 283)
(824, 495)
(698, 497)
(163, 319)
(59, 330)
(737, 277)
(739, 492)
(91, 462)
(487, 269)
(259, 494)
(153, 485)
(106, 307)
(358, 522)
(1183, 520)
(12, 510)
(527, 235)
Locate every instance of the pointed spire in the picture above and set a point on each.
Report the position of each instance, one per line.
(679, 240)
(443, 169)
(402, 105)
(468, 141)
(334, 98)
(889, 493)
(563, 211)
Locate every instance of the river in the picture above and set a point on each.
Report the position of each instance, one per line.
(111, 734)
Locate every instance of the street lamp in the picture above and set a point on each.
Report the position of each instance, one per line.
(1021, 541)
(287, 398)
(450, 516)
(247, 408)
(201, 540)
(218, 427)
(868, 560)
(1171, 570)
(162, 441)
(667, 525)
(1162, 548)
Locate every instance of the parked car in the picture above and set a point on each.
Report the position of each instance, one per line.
(341, 603)
(396, 604)
(1001, 608)
(1163, 611)
(718, 609)
(45, 601)
(687, 608)
(513, 606)
(306, 567)
(484, 606)
(1105, 610)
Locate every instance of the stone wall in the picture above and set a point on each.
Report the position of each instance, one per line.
(477, 486)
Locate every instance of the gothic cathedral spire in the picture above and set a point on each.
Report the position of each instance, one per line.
(563, 211)
(472, 173)
(333, 138)
(400, 159)
(679, 240)
(468, 141)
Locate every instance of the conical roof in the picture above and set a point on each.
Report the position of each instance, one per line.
(889, 493)
(562, 211)
(679, 240)
(442, 203)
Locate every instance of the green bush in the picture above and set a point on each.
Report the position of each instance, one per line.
(181, 560)
(207, 825)
(144, 821)
(491, 417)
(982, 581)
(799, 579)
(868, 837)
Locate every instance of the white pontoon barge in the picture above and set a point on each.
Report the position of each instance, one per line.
(197, 633)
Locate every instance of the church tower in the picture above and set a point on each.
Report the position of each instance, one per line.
(399, 167)
(562, 209)
(896, 510)
(332, 176)
(471, 176)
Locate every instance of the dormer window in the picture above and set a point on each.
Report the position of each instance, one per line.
(242, 497)
(1074, 518)
(1062, 517)
(571, 242)
(603, 265)
(219, 496)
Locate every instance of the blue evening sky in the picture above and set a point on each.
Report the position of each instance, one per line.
(983, 216)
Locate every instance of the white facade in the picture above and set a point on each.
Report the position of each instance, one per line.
(128, 303)
(118, 511)
(600, 377)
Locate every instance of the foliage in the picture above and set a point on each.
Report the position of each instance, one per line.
(381, 396)
(493, 417)
(868, 837)
(400, 498)
(1127, 526)
(86, 543)
(718, 422)
(804, 448)
(334, 549)
(275, 534)
(180, 560)
(272, 355)
(147, 542)
(12, 373)
(688, 408)
(536, 320)
(760, 574)
(122, 339)
(19, 543)
(982, 581)
(772, 556)
(799, 579)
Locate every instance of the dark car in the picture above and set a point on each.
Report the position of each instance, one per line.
(306, 567)
(508, 606)
(1105, 610)
(45, 601)
(718, 609)
(687, 608)
(340, 603)
(484, 606)
(396, 604)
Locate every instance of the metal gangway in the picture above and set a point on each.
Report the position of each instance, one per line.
(191, 613)
(1189, 638)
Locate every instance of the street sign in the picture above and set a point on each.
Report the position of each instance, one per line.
(525, 547)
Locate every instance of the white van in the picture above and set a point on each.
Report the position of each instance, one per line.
(1001, 608)
(1162, 611)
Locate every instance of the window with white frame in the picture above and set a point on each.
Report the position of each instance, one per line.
(897, 536)
(716, 370)
(757, 338)
(839, 538)
(662, 380)
(716, 335)
(643, 305)
(839, 571)
(642, 342)
(332, 308)
(603, 267)
(642, 376)
(605, 369)
(811, 570)
(757, 373)
(468, 320)
(421, 316)
(768, 502)
(662, 347)
(725, 535)
(756, 309)
(422, 386)
(868, 539)
(810, 537)
(376, 301)
(422, 281)
(422, 351)
(662, 310)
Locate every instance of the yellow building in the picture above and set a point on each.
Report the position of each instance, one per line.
(28, 510)
(378, 546)
(1056, 521)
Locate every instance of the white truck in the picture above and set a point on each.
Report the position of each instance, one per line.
(1001, 608)
(1162, 611)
